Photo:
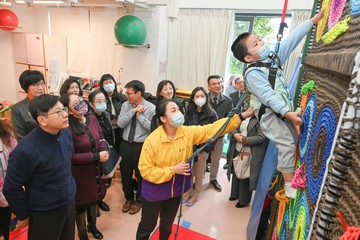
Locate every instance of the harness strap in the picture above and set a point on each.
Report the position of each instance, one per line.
(271, 78)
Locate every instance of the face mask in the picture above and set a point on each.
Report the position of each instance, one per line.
(81, 107)
(109, 87)
(263, 52)
(100, 107)
(200, 102)
(178, 119)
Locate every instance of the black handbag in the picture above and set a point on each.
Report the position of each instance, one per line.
(108, 168)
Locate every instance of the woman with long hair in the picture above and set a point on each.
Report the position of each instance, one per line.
(7, 144)
(198, 113)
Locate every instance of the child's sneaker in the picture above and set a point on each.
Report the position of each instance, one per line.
(290, 192)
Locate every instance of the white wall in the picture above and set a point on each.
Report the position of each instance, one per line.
(143, 63)
(8, 81)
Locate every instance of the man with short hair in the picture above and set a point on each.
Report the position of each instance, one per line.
(39, 185)
(222, 105)
(33, 83)
(135, 118)
(240, 87)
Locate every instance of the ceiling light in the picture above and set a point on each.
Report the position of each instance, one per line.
(4, 3)
(37, 2)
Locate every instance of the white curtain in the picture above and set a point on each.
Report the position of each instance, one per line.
(91, 40)
(198, 46)
(298, 17)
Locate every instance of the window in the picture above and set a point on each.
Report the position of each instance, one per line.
(265, 26)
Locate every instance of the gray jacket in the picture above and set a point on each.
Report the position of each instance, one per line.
(21, 119)
(258, 143)
(223, 107)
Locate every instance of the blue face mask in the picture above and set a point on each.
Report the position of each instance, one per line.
(109, 87)
(100, 107)
(178, 119)
(263, 52)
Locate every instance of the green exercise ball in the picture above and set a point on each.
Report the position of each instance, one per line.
(130, 30)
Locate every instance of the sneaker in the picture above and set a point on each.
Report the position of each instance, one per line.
(290, 192)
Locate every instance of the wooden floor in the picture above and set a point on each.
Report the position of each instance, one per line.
(213, 215)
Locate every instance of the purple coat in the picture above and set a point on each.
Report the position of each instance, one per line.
(86, 165)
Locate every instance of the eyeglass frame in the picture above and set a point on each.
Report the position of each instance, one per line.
(59, 112)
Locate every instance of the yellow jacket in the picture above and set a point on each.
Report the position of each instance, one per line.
(159, 155)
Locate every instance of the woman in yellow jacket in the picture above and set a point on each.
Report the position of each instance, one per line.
(163, 165)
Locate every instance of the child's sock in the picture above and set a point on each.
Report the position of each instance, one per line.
(290, 192)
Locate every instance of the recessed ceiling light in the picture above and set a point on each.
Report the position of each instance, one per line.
(5, 3)
(39, 2)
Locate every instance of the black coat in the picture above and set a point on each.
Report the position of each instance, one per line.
(223, 107)
(117, 99)
(200, 118)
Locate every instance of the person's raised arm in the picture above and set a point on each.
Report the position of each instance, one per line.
(317, 17)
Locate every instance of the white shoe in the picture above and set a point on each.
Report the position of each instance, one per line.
(290, 192)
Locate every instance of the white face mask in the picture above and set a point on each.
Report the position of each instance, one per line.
(264, 52)
(200, 102)
(178, 119)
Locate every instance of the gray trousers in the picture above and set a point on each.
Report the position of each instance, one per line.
(284, 135)
(215, 158)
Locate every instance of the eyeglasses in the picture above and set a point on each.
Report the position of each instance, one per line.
(39, 84)
(129, 93)
(59, 112)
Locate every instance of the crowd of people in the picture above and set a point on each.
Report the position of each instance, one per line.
(76, 133)
(50, 159)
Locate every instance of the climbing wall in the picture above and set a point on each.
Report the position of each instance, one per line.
(328, 158)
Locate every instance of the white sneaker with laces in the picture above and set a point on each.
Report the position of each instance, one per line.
(290, 192)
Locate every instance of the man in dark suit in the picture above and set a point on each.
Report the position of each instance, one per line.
(239, 84)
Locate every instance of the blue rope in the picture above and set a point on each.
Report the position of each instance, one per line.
(326, 120)
(306, 128)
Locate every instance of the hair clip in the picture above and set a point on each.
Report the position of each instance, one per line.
(346, 145)
(327, 211)
(334, 191)
(338, 173)
(325, 225)
(322, 233)
(340, 167)
(330, 198)
(326, 218)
